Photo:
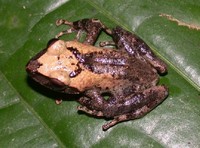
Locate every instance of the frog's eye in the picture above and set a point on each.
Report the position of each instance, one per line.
(60, 77)
(59, 86)
(56, 84)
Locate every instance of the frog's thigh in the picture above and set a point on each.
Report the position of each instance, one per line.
(152, 96)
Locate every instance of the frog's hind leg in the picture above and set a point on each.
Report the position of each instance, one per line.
(135, 46)
(148, 100)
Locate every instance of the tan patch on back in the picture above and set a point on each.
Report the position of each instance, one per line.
(58, 62)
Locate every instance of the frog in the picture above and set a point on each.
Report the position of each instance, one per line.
(118, 84)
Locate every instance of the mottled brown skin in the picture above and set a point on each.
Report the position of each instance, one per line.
(128, 76)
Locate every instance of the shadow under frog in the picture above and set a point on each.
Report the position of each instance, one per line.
(128, 75)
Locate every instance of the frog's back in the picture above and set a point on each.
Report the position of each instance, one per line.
(120, 65)
(116, 67)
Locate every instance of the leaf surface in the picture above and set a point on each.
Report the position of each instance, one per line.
(28, 114)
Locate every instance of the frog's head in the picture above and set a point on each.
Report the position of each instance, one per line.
(47, 76)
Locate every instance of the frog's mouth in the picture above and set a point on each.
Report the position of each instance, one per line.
(51, 83)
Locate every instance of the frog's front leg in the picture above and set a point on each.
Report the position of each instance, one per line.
(91, 26)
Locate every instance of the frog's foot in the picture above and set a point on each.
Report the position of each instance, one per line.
(90, 112)
(65, 22)
(107, 43)
(58, 101)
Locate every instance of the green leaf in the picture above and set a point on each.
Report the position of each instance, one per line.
(30, 118)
